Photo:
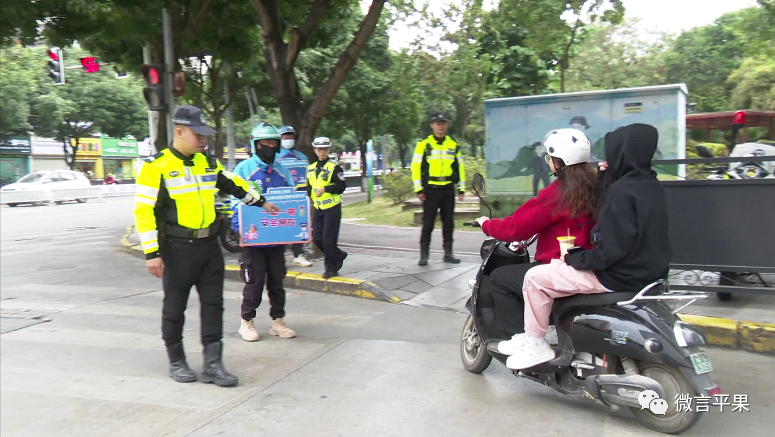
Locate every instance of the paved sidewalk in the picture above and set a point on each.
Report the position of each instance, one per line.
(747, 322)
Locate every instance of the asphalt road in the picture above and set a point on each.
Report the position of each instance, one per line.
(81, 354)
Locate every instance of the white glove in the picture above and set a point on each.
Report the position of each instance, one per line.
(481, 220)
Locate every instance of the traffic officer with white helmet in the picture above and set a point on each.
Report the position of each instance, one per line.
(436, 167)
(175, 218)
(326, 184)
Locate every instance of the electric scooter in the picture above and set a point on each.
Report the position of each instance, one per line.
(611, 347)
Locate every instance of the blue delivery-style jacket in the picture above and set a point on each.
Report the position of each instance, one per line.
(266, 176)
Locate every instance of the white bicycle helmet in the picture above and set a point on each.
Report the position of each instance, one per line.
(570, 145)
(321, 142)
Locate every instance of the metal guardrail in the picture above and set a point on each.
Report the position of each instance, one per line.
(64, 194)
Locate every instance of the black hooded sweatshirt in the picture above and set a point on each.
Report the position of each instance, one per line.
(634, 249)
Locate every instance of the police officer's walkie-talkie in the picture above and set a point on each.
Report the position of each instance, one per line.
(211, 159)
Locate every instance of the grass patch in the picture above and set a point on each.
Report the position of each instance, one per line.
(382, 211)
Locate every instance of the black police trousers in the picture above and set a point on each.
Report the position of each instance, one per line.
(443, 199)
(188, 263)
(506, 288)
(259, 266)
(325, 235)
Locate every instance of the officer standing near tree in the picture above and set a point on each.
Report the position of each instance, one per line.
(289, 157)
(326, 184)
(436, 167)
(175, 218)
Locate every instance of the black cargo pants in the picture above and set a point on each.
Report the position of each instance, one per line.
(188, 263)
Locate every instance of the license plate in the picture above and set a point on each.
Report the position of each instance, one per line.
(701, 363)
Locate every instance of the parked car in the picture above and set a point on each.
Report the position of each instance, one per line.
(48, 180)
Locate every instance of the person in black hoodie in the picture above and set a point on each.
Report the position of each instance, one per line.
(633, 251)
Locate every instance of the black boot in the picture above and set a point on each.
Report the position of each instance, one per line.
(179, 370)
(448, 257)
(425, 250)
(214, 371)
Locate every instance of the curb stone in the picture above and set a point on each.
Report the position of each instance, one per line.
(304, 281)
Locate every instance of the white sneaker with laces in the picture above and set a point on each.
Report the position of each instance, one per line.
(530, 355)
(280, 329)
(248, 331)
(510, 347)
(301, 261)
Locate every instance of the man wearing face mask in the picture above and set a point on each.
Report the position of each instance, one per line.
(261, 265)
(296, 163)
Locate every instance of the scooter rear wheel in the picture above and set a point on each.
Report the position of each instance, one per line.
(674, 383)
(473, 351)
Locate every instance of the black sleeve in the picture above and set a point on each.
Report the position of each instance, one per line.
(619, 229)
(338, 180)
(228, 186)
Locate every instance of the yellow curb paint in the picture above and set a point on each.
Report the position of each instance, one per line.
(342, 280)
(757, 337)
(231, 268)
(718, 331)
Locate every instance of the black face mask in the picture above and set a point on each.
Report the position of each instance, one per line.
(267, 154)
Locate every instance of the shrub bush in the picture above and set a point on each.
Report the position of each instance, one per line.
(398, 185)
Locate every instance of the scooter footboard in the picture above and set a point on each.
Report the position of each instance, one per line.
(623, 389)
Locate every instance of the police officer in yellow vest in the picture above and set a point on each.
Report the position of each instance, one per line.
(175, 218)
(325, 187)
(436, 168)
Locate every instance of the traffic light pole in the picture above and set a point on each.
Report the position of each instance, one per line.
(169, 64)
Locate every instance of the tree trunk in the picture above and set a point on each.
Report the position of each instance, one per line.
(566, 53)
(70, 157)
(280, 58)
(402, 154)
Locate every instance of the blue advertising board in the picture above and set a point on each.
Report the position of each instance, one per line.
(290, 225)
(296, 167)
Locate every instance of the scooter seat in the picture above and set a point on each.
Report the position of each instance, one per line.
(599, 299)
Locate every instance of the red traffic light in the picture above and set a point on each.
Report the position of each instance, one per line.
(53, 55)
(151, 73)
(90, 64)
(739, 117)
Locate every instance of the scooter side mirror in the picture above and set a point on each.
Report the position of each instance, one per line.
(478, 183)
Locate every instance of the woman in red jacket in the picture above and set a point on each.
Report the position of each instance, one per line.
(566, 207)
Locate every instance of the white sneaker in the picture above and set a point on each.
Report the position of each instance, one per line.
(248, 331)
(510, 347)
(280, 329)
(530, 355)
(301, 261)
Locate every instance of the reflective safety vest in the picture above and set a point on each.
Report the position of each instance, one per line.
(436, 164)
(322, 180)
(172, 190)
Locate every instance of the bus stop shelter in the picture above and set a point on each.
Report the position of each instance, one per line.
(709, 121)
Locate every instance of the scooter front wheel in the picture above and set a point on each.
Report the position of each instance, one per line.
(674, 383)
(473, 351)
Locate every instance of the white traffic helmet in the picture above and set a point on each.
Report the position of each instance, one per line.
(321, 142)
(570, 145)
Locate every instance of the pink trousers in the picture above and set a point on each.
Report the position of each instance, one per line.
(547, 282)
